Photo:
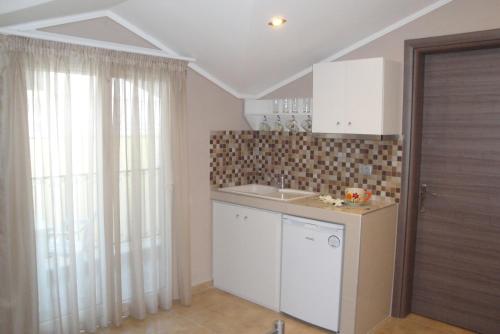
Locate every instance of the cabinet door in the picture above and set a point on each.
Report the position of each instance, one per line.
(364, 96)
(261, 254)
(329, 94)
(226, 246)
(247, 252)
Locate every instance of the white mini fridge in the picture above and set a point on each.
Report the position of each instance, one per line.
(311, 271)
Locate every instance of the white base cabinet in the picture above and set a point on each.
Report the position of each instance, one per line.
(247, 252)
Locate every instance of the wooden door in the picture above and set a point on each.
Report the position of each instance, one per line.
(457, 258)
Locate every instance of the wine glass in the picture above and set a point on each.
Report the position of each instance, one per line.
(306, 106)
(307, 124)
(286, 106)
(292, 125)
(264, 125)
(300, 105)
(276, 106)
(295, 106)
(277, 126)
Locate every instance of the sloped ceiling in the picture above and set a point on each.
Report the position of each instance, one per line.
(101, 28)
(14, 12)
(9, 6)
(230, 40)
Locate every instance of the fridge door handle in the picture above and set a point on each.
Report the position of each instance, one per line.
(310, 226)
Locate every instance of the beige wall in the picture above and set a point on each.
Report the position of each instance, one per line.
(209, 108)
(301, 88)
(458, 16)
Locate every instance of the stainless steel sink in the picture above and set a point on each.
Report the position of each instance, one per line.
(269, 192)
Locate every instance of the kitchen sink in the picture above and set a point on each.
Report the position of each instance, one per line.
(269, 192)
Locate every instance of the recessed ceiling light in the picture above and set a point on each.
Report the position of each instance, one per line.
(277, 21)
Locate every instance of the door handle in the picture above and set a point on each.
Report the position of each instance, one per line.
(423, 195)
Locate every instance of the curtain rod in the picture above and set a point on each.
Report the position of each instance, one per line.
(92, 43)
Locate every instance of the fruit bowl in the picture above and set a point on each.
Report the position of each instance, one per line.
(357, 196)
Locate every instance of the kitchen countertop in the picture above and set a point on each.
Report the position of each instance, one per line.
(356, 210)
(310, 207)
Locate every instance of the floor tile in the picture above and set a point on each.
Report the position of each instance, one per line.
(217, 312)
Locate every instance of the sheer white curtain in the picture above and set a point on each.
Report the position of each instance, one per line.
(18, 284)
(100, 130)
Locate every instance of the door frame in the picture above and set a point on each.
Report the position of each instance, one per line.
(414, 62)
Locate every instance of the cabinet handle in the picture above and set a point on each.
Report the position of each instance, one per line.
(349, 123)
(245, 218)
(338, 123)
(237, 215)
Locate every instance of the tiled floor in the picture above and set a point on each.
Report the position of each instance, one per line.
(415, 324)
(217, 312)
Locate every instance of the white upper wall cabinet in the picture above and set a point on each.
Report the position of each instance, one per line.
(357, 97)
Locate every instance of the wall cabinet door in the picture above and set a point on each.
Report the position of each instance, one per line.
(329, 95)
(247, 252)
(364, 96)
(357, 97)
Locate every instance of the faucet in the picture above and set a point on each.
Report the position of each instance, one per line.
(281, 181)
(277, 180)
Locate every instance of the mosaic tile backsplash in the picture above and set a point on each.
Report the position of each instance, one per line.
(324, 165)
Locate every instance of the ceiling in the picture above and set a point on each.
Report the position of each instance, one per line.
(25, 11)
(100, 28)
(230, 39)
